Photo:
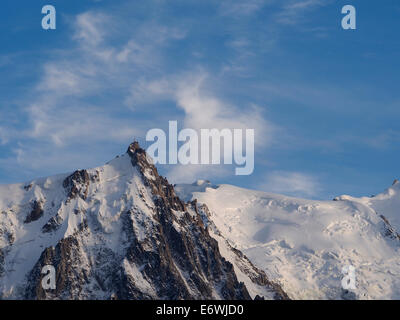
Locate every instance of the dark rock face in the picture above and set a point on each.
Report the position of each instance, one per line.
(36, 213)
(1, 263)
(348, 295)
(259, 277)
(159, 186)
(388, 230)
(53, 224)
(255, 274)
(63, 257)
(193, 251)
(77, 184)
(8, 236)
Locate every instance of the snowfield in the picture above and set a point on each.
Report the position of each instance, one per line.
(304, 244)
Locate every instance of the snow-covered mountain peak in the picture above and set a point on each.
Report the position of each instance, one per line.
(117, 231)
(122, 231)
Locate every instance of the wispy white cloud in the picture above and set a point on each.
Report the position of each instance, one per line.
(5, 60)
(291, 183)
(192, 93)
(202, 107)
(3, 136)
(90, 28)
(88, 94)
(294, 11)
(69, 126)
(383, 140)
(190, 173)
(233, 7)
(78, 101)
(27, 161)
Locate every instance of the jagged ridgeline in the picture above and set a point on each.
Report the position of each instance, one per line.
(118, 232)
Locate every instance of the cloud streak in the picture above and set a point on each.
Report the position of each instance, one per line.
(203, 109)
(78, 102)
(291, 183)
(294, 11)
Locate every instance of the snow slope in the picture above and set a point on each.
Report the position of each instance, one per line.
(304, 244)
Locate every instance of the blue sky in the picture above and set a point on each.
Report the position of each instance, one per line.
(325, 102)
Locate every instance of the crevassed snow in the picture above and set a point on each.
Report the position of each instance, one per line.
(386, 203)
(304, 244)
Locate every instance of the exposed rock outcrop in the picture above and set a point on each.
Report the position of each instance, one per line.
(77, 184)
(36, 213)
